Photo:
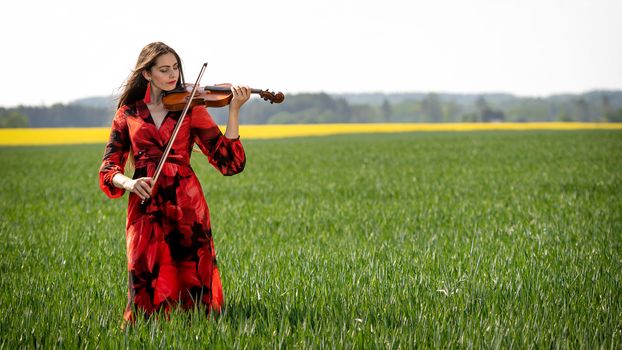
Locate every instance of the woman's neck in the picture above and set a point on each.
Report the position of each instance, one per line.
(156, 95)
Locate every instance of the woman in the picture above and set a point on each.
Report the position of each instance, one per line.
(170, 251)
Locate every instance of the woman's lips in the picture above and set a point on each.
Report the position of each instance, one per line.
(172, 82)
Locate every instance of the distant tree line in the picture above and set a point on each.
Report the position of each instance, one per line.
(55, 116)
(432, 108)
(13, 119)
(595, 106)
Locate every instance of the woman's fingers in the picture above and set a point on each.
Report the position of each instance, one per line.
(142, 190)
(149, 182)
(142, 187)
(245, 92)
(241, 93)
(236, 91)
(141, 193)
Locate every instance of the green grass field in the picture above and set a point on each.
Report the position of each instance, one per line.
(427, 240)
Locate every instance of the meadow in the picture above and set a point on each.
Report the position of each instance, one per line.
(493, 239)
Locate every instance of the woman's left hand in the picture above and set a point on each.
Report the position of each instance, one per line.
(241, 94)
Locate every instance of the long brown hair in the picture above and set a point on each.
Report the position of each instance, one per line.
(136, 85)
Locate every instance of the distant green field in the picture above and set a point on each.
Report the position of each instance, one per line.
(428, 240)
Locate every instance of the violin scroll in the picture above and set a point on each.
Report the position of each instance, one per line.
(271, 96)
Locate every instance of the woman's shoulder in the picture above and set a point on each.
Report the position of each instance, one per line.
(130, 110)
(126, 108)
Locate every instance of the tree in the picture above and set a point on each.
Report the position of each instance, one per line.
(615, 116)
(431, 106)
(487, 114)
(582, 110)
(386, 110)
(13, 119)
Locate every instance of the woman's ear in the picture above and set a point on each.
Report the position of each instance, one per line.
(146, 75)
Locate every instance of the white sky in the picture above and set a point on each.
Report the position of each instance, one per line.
(59, 51)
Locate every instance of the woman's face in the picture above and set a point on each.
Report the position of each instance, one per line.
(165, 73)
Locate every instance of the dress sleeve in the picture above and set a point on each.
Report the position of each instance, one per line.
(226, 155)
(115, 156)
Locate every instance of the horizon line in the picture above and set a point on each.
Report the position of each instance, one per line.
(414, 92)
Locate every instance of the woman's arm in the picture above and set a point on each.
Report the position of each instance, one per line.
(111, 178)
(241, 94)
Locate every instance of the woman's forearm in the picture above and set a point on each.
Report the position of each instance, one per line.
(233, 124)
(119, 180)
(241, 94)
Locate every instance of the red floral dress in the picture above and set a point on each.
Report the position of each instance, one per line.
(170, 251)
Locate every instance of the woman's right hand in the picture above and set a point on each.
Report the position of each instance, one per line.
(141, 186)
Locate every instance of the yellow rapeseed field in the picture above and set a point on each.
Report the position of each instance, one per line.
(54, 136)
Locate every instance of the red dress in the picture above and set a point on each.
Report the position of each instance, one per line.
(170, 251)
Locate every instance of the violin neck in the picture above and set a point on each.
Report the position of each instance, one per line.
(226, 89)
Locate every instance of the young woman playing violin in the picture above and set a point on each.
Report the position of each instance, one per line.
(170, 252)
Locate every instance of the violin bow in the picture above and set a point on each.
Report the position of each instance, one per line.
(174, 134)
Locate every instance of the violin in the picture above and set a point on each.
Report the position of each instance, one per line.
(218, 95)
